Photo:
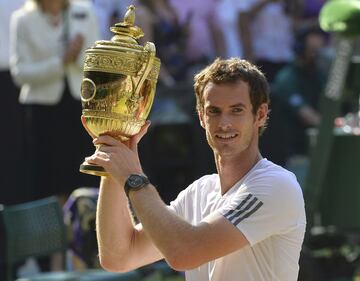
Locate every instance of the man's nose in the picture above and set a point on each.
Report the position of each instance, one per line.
(225, 122)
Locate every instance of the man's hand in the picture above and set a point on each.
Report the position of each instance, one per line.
(119, 159)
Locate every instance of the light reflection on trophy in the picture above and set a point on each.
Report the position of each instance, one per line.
(119, 85)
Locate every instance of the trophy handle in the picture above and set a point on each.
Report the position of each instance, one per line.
(151, 50)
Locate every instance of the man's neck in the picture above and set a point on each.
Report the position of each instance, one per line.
(231, 170)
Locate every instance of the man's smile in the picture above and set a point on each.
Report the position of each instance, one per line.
(226, 136)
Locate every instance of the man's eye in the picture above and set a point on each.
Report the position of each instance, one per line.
(237, 109)
(212, 110)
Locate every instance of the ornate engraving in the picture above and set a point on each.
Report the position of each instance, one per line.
(154, 73)
(127, 64)
(133, 103)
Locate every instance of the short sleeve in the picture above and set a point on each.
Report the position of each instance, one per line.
(178, 205)
(191, 201)
(266, 207)
(184, 200)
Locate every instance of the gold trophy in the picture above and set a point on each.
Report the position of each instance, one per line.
(119, 85)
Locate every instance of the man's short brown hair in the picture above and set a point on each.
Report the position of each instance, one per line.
(230, 71)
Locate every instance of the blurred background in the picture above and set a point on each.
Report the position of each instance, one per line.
(313, 127)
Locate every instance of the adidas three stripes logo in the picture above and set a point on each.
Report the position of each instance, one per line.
(245, 209)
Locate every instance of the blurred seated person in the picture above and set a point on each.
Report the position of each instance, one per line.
(161, 26)
(79, 217)
(298, 87)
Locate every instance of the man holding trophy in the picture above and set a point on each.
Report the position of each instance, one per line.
(246, 222)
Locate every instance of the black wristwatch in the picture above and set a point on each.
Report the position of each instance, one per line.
(135, 182)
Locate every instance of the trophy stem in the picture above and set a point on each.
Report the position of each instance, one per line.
(92, 169)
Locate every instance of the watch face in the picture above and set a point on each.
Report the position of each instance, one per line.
(135, 180)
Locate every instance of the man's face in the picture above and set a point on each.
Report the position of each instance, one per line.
(231, 127)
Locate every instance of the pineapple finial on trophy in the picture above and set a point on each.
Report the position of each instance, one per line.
(130, 15)
(127, 31)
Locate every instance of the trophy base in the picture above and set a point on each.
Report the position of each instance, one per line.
(92, 169)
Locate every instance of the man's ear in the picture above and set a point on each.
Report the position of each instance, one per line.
(201, 119)
(262, 114)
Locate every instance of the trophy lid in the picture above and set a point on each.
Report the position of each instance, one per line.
(123, 54)
(126, 31)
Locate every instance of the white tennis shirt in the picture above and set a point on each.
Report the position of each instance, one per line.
(267, 206)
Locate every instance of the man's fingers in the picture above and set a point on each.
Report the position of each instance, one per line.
(111, 141)
(98, 157)
(136, 139)
(106, 140)
(144, 128)
(106, 148)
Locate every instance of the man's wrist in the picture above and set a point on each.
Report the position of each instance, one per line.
(135, 182)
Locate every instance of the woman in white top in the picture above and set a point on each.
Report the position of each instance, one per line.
(47, 44)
